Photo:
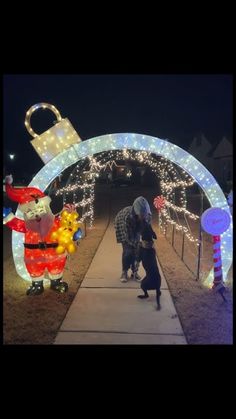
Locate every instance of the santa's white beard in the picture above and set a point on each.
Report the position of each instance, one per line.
(41, 227)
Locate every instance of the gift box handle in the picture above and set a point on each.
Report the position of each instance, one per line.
(33, 109)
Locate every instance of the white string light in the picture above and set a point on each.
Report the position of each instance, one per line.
(99, 163)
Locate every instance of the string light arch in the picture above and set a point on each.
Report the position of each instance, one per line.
(105, 160)
(123, 141)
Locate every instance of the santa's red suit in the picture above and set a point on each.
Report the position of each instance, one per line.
(38, 225)
(42, 254)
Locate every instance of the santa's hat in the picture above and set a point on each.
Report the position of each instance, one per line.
(27, 197)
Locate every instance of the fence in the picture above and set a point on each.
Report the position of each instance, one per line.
(189, 252)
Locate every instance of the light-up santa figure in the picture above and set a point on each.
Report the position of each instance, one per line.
(39, 223)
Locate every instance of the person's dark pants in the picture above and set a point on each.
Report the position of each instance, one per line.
(128, 257)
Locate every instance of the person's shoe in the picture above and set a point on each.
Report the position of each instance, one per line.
(136, 277)
(36, 288)
(143, 296)
(124, 277)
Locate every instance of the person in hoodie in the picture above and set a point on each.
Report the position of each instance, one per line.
(128, 226)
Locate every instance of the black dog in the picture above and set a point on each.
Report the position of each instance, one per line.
(147, 254)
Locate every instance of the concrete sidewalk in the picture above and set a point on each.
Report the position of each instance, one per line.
(107, 311)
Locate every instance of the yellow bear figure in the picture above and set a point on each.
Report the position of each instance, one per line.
(65, 235)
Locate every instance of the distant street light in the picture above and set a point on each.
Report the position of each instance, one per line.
(12, 156)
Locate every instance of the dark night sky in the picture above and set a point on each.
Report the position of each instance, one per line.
(176, 107)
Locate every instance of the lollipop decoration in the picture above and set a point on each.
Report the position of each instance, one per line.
(216, 221)
(159, 202)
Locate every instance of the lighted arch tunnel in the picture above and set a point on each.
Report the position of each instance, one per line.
(136, 142)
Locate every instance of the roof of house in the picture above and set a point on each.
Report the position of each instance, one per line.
(199, 145)
(222, 149)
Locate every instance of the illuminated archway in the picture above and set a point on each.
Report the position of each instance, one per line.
(136, 142)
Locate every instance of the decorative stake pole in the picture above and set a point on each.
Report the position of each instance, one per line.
(218, 276)
(159, 204)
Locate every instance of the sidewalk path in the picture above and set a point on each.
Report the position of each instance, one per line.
(107, 311)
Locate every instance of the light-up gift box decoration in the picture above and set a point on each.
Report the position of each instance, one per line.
(55, 140)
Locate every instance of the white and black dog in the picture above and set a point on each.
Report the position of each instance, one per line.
(147, 254)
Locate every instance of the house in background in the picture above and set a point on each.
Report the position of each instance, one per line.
(222, 156)
(218, 159)
(200, 148)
